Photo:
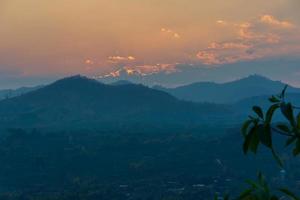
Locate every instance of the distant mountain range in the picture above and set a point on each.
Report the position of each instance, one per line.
(121, 82)
(245, 105)
(9, 93)
(183, 74)
(220, 93)
(228, 93)
(79, 102)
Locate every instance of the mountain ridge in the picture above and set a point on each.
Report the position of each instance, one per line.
(9, 93)
(229, 92)
(81, 102)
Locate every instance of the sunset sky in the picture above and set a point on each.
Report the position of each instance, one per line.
(41, 40)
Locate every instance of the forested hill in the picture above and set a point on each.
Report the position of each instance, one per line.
(81, 102)
(230, 92)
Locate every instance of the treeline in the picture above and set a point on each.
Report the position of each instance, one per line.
(122, 165)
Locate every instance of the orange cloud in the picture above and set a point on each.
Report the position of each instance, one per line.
(229, 45)
(89, 62)
(120, 58)
(269, 19)
(221, 22)
(253, 40)
(170, 32)
(218, 56)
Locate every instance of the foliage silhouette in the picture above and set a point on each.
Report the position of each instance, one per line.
(258, 130)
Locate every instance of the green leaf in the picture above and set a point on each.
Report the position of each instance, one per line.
(284, 128)
(277, 158)
(274, 99)
(287, 111)
(270, 113)
(246, 144)
(265, 135)
(251, 141)
(298, 121)
(247, 140)
(216, 196)
(245, 194)
(253, 184)
(258, 111)
(296, 150)
(254, 142)
(283, 92)
(246, 126)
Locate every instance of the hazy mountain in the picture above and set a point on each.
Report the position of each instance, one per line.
(9, 93)
(245, 105)
(81, 102)
(121, 82)
(229, 92)
(278, 69)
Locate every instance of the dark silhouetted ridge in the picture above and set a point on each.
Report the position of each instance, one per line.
(82, 102)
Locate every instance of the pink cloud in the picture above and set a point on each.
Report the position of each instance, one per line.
(271, 20)
(263, 37)
(116, 59)
(171, 33)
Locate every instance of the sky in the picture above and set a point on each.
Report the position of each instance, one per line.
(161, 42)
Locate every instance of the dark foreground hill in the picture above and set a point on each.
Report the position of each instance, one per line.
(230, 92)
(134, 166)
(79, 102)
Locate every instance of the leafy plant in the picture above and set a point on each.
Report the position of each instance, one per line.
(258, 190)
(259, 129)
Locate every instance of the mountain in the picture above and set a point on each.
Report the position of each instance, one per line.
(230, 92)
(245, 105)
(9, 93)
(183, 74)
(121, 82)
(79, 102)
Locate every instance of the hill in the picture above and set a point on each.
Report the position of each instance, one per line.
(230, 92)
(79, 102)
(245, 105)
(121, 82)
(9, 93)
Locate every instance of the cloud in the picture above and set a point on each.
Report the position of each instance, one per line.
(221, 22)
(223, 53)
(170, 32)
(262, 37)
(117, 59)
(89, 62)
(269, 19)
